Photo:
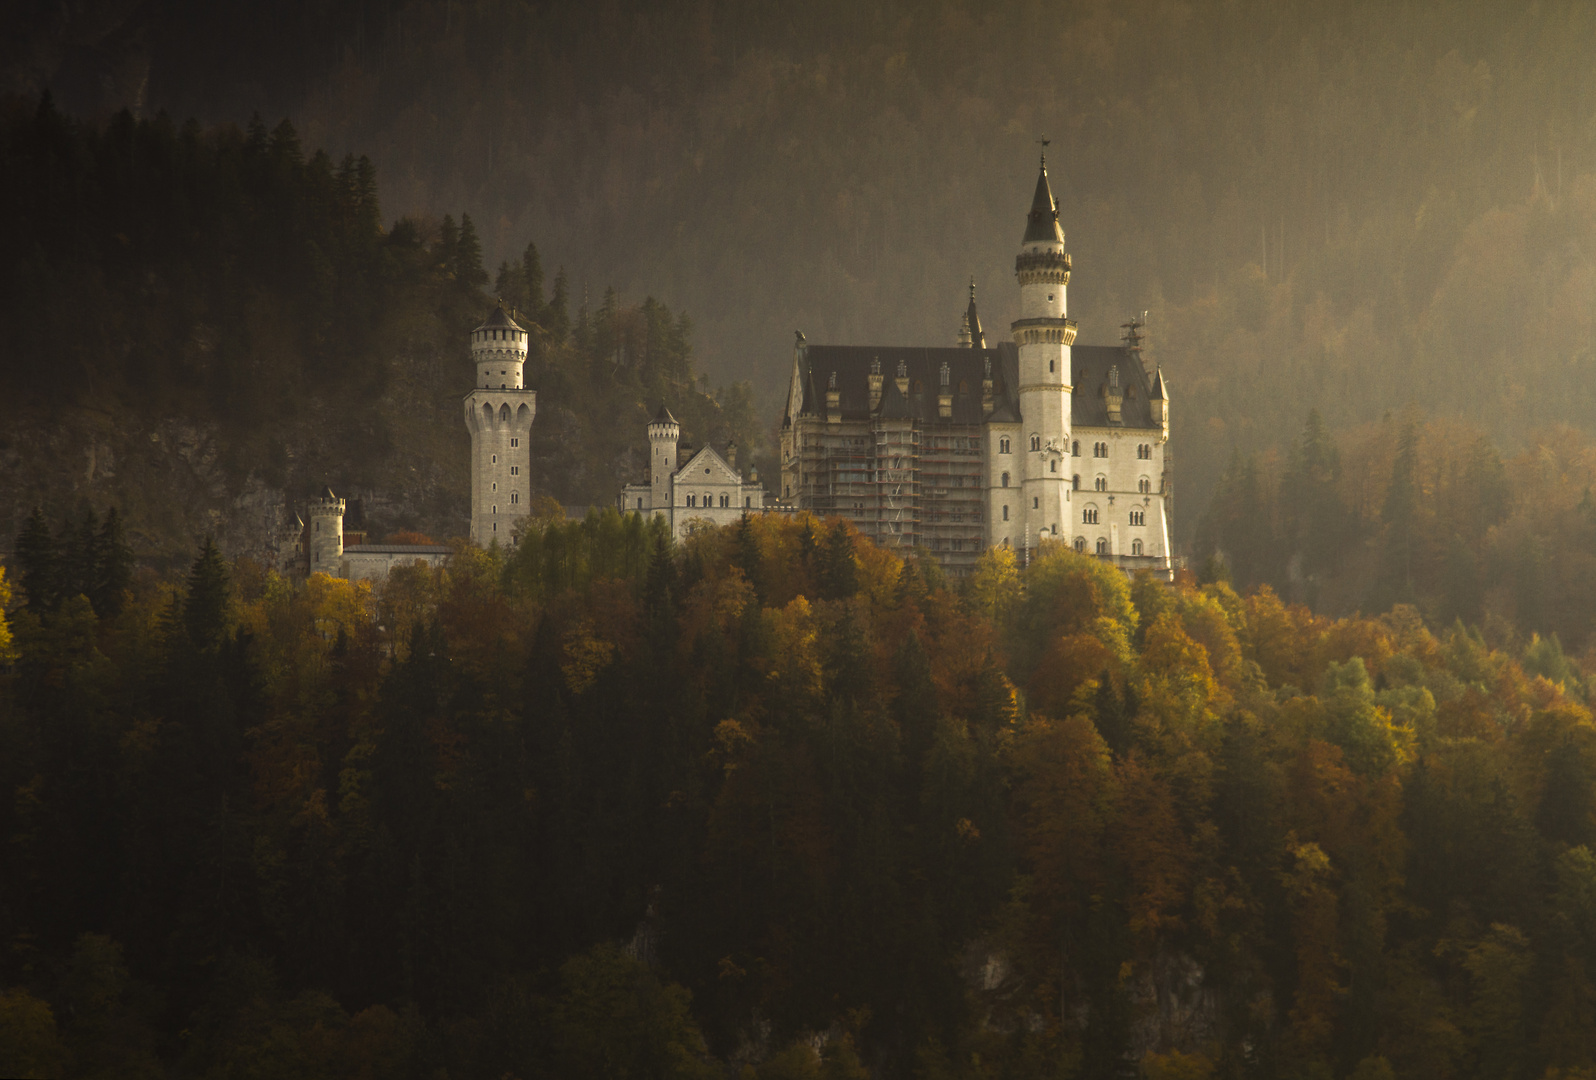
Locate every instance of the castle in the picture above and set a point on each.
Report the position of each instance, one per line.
(967, 447)
(954, 450)
(498, 413)
(686, 488)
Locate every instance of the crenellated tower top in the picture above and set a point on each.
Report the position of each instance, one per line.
(498, 348)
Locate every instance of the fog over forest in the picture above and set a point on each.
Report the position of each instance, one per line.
(1348, 207)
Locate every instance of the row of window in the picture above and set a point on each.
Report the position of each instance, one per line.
(1144, 451)
(1102, 545)
(1089, 516)
(709, 502)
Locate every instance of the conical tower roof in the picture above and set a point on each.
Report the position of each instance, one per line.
(1159, 393)
(1041, 224)
(499, 321)
(973, 320)
(664, 416)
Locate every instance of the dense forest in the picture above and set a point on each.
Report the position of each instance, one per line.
(1418, 511)
(774, 800)
(200, 325)
(1346, 206)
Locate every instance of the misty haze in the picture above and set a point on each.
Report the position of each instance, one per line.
(898, 539)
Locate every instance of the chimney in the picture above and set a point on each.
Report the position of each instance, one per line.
(731, 455)
(945, 394)
(875, 382)
(684, 454)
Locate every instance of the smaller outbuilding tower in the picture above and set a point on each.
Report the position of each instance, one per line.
(327, 534)
(663, 434)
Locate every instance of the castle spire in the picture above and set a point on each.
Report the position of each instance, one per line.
(972, 321)
(1041, 224)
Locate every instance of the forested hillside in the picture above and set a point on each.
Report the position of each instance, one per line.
(1344, 206)
(199, 324)
(609, 807)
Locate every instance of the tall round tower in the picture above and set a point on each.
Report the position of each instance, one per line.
(1044, 335)
(663, 433)
(498, 413)
(326, 533)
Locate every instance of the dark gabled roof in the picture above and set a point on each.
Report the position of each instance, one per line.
(499, 320)
(1089, 368)
(664, 416)
(852, 366)
(1041, 224)
(894, 405)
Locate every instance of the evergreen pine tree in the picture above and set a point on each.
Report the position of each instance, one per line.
(368, 208)
(556, 317)
(113, 566)
(468, 257)
(839, 571)
(1399, 515)
(78, 547)
(37, 561)
(532, 281)
(204, 614)
(448, 244)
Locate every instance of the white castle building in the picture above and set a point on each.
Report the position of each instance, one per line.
(498, 413)
(963, 448)
(688, 488)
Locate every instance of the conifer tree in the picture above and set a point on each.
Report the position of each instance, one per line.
(556, 318)
(839, 570)
(36, 558)
(447, 247)
(205, 602)
(113, 566)
(468, 257)
(532, 281)
(1399, 515)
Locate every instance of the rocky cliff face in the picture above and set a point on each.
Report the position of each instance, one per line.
(400, 457)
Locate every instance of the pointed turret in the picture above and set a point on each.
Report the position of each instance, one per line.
(972, 320)
(1041, 224)
(1158, 401)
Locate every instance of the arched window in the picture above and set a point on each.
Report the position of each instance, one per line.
(1036, 443)
(709, 501)
(1052, 466)
(1089, 516)
(1144, 485)
(1102, 483)
(1080, 543)
(1102, 545)
(1138, 517)
(748, 502)
(1003, 445)
(515, 497)
(692, 500)
(1075, 448)
(1005, 513)
(725, 501)
(504, 413)
(1005, 479)
(1136, 547)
